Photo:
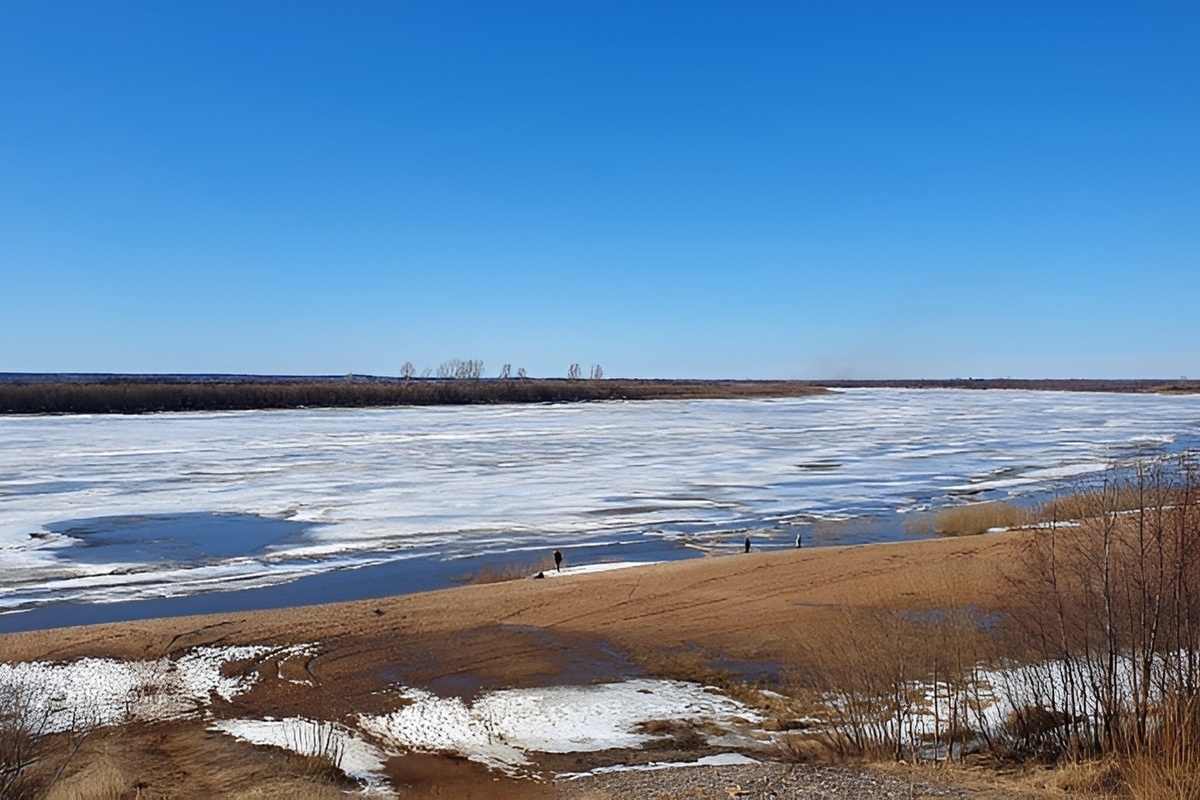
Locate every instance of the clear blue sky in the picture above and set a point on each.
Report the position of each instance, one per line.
(729, 189)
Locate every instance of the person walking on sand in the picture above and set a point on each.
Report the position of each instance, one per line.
(747, 544)
(558, 561)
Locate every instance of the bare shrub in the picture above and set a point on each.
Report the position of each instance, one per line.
(898, 684)
(1114, 604)
(1088, 502)
(22, 745)
(35, 746)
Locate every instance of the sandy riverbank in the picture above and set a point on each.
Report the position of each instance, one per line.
(752, 607)
(756, 616)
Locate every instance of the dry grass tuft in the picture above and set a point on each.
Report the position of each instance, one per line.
(100, 779)
(671, 734)
(974, 518)
(1167, 764)
(501, 573)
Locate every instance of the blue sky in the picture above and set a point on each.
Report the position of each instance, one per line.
(675, 189)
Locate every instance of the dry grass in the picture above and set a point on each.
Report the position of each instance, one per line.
(183, 761)
(499, 573)
(671, 734)
(99, 779)
(1092, 502)
(1167, 765)
(974, 518)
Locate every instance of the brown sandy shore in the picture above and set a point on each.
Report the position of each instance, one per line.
(684, 620)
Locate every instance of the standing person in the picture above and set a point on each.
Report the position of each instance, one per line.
(747, 544)
(799, 543)
(558, 561)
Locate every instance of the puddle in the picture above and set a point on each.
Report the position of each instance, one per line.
(539, 659)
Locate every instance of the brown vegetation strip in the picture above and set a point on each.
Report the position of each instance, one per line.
(138, 395)
(145, 396)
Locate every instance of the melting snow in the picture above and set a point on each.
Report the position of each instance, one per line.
(718, 760)
(90, 692)
(604, 566)
(500, 728)
(352, 754)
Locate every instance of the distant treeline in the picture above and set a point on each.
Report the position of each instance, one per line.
(83, 394)
(133, 396)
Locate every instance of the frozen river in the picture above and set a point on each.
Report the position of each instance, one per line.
(342, 503)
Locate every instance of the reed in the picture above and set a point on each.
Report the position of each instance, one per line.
(975, 518)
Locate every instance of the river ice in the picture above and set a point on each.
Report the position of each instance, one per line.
(105, 508)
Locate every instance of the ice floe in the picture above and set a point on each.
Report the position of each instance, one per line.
(381, 485)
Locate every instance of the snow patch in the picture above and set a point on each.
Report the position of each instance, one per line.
(92, 692)
(718, 760)
(500, 728)
(603, 566)
(353, 755)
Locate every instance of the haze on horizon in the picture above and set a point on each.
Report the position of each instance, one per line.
(708, 189)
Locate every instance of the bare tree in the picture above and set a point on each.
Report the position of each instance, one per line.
(597, 372)
(456, 368)
(506, 372)
(471, 369)
(574, 373)
(521, 373)
(408, 371)
(427, 373)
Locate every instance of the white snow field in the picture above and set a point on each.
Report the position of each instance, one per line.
(361, 487)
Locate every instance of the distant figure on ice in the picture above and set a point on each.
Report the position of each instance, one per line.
(558, 561)
(747, 544)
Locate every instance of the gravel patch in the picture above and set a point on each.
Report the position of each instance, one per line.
(766, 781)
